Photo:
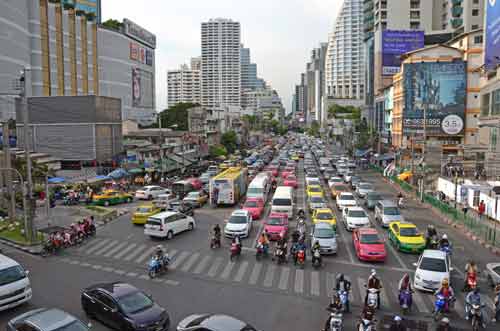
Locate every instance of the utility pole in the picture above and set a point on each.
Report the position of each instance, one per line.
(25, 91)
(413, 158)
(8, 176)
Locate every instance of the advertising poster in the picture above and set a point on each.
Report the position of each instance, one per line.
(134, 51)
(142, 88)
(440, 88)
(492, 42)
(396, 43)
(141, 54)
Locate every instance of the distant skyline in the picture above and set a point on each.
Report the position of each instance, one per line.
(280, 33)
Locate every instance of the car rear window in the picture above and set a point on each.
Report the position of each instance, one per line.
(432, 264)
(153, 221)
(357, 213)
(275, 221)
(324, 216)
(391, 211)
(282, 202)
(346, 197)
(409, 232)
(370, 239)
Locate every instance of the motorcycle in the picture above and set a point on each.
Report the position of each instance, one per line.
(441, 306)
(336, 320)
(235, 251)
(280, 256)
(157, 266)
(301, 258)
(316, 260)
(405, 301)
(476, 317)
(401, 203)
(366, 325)
(372, 296)
(432, 242)
(49, 248)
(261, 252)
(215, 242)
(344, 298)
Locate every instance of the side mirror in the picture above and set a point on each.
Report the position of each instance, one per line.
(26, 272)
(452, 269)
(415, 264)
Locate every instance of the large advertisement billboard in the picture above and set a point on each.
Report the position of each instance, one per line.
(142, 88)
(492, 42)
(141, 54)
(394, 44)
(439, 88)
(138, 33)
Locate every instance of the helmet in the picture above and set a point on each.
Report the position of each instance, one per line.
(397, 318)
(159, 247)
(445, 236)
(373, 273)
(341, 276)
(430, 226)
(445, 320)
(445, 282)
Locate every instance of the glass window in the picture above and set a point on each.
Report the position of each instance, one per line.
(478, 39)
(431, 264)
(485, 104)
(11, 275)
(475, 12)
(495, 109)
(493, 137)
(371, 239)
(134, 303)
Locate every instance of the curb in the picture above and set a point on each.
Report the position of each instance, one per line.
(463, 230)
(26, 249)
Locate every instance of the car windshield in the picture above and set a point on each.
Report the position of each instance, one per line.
(254, 190)
(324, 233)
(73, 326)
(238, 219)
(409, 232)
(143, 209)
(251, 204)
(313, 182)
(275, 221)
(192, 195)
(370, 239)
(392, 211)
(315, 199)
(282, 202)
(324, 216)
(432, 264)
(134, 302)
(11, 275)
(314, 189)
(347, 197)
(357, 213)
(366, 186)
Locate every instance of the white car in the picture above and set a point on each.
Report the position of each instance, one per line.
(345, 199)
(335, 180)
(167, 224)
(432, 267)
(238, 224)
(150, 192)
(348, 176)
(312, 181)
(363, 188)
(15, 287)
(355, 217)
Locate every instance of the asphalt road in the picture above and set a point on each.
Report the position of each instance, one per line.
(268, 296)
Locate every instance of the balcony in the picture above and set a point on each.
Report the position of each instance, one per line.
(457, 22)
(456, 2)
(457, 11)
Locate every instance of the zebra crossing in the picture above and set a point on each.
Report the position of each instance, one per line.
(265, 274)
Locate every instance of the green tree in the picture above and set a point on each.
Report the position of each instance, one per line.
(252, 121)
(314, 129)
(216, 151)
(112, 24)
(230, 141)
(176, 117)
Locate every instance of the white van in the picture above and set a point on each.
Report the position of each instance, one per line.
(259, 187)
(283, 201)
(168, 224)
(15, 286)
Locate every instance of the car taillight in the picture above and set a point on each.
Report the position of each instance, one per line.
(161, 227)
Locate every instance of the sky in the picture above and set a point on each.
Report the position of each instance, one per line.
(279, 33)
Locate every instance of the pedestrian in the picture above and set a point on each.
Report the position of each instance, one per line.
(481, 209)
(465, 209)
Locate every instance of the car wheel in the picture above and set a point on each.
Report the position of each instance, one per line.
(191, 227)
(150, 197)
(106, 203)
(170, 235)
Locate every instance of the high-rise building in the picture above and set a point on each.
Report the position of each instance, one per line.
(462, 16)
(315, 70)
(248, 77)
(184, 84)
(344, 66)
(221, 65)
(301, 97)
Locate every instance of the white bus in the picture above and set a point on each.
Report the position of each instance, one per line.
(283, 201)
(259, 187)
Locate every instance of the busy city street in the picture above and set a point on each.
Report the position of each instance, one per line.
(201, 279)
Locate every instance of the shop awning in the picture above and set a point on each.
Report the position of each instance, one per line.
(385, 157)
(56, 180)
(136, 171)
(361, 152)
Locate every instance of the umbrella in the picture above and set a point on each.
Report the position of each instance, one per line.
(118, 173)
(56, 180)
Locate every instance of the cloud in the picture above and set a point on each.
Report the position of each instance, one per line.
(280, 33)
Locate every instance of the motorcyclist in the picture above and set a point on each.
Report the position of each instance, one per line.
(316, 247)
(282, 245)
(368, 312)
(444, 242)
(470, 272)
(235, 243)
(447, 291)
(159, 254)
(405, 283)
(264, 241)
(444, 325)
(397, 324)
(374, 283)
(301, 227)
(343, 284)
(474, 297)
(300, 245)
(431, 233)
(295, 236)
(400, 200)
(301, 214)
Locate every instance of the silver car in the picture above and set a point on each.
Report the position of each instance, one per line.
(493, 273)
(362, 189)
(45, 319)
(325, 235)
(317, 202)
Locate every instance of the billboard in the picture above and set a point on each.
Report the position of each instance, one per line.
(141, 54)
(142, 88)
(140, 34)
(396, 43)
(87, 6)
(492, 34)
(440, 89)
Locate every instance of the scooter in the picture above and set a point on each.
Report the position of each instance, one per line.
(280, 256)
(344, 298)
(366, 325)
(214, 242)
(157, 266)
(440, 306)
(261, 252)
(316, 259)
(372, 296)
(235, 251)
(405, 301)
(476, 317)
(301, 258)
(336, 320)
(401, 203)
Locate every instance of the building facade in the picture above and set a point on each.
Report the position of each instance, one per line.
(129, 58)
(315, 73)
(344, 66)
(221, 63)
(56, 41)
(184, 85)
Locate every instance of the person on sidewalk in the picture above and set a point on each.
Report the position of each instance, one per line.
(481, 209)
(465, 209)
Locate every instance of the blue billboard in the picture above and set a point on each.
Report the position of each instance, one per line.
(492, 42)
(396, 43)
(439, 88)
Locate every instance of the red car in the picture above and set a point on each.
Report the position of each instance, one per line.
(368, 245)
(291, 181)
(285, 173)
(273, 170)
(255, 207)
(196, 183)
(276, 225)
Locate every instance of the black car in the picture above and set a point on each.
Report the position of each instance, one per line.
(213, 322)
(123, 307)
(184, 207)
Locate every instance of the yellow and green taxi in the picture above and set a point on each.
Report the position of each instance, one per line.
(111, 197)
(143, 212)
(314, 189)
(406, 237)
(295, 157)
(324, 215)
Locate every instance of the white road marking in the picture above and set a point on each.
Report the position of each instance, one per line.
(299, 281)
(315, 290)
(227, 270)
(213, 269)
(135, 253)
(124, 251)
(97, 246)
(268, 279)
(254, 276)
(104, 249)
(285, 274)
(115, 249)
(132, 274)
(241, 272)
(189, 263)
(202, 265)
(179, 259)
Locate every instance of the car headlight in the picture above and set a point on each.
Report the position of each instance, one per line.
(417, 276)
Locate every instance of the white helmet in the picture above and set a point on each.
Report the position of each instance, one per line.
(445, 236)
(159, 247)
(397, 318)
(373, 272)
